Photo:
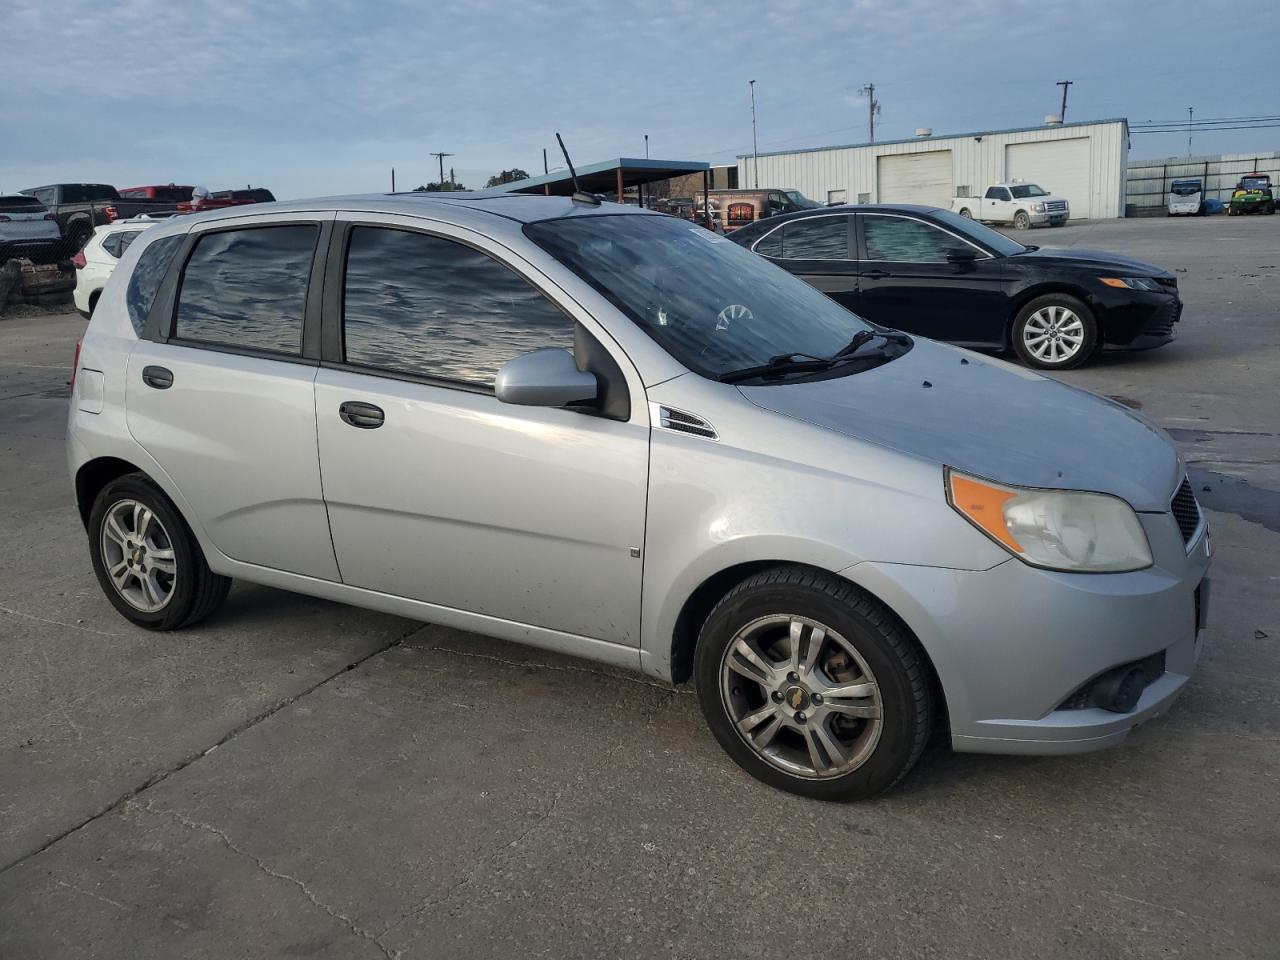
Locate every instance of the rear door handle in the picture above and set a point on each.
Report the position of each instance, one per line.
(876, 274)
(363, 415)
(159, 377)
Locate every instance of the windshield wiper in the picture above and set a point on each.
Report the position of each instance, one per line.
(782, 363)
(866, 336)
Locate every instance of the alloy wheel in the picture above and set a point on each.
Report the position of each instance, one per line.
(1053, 334)
(138, 555)
(801, 697)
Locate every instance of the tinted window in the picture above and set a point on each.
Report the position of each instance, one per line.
(124, 239)
(147, 274)
(1028, 190)
(771, 246)
(817, 238)
(248, 288)
(21, 204)
(431, 307)
(906, 241)
(86, 192)
(112, 244)
(994, 193)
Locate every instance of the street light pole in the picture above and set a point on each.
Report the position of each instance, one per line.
(1191, 112)
(755, 152)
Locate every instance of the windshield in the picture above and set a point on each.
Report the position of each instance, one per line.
(800, 200)
(992, 239)
(1023, 190)
(713, 305)
(1185, 188)
(1254, 183)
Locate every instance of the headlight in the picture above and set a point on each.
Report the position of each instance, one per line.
(1056, 529)
(1038, 207)
(1133, 283)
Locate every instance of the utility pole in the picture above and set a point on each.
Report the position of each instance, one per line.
(393, 179)
(1064, 84)
(755, 152)
(1191, 112)
(873, 110)
(440, 157)
(545, 168)
(646, 146)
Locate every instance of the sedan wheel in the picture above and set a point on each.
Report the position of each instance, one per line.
(1054, 332)
(801, 696)
(138, 555)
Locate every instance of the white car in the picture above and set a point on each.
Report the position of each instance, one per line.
(99, 257)
(1024, 205)
(27, 228)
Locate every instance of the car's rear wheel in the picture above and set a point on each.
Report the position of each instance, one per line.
(1021, 221)
(813, 686)
(147, 561)
(1055, 332)
(964, 212)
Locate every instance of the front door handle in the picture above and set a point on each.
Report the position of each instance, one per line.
(159, 377)
(363, 415)
(876, 274)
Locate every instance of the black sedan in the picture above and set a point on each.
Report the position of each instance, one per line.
(940, 275)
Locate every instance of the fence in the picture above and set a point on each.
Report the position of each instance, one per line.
(1147, 182)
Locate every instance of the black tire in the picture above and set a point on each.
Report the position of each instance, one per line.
(93, 301)
(1076, 306)
(196, 590)
(892, 654)
(964, 212)
(1021, 221)
(78, 236)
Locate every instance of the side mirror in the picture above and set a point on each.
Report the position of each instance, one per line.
(961, 255)
(545, 378)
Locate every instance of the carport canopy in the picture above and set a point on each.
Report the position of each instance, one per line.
(608, 176)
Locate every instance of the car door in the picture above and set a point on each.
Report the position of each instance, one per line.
(997, 205)
(220, 389)
(819, 250)
(914, 275)
(439, 492)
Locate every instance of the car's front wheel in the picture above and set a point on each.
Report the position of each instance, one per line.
(813, 686)
(147, 560)
(1054, 332)
(1021, 221)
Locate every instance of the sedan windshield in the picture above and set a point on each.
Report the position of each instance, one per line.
(1024, 190)
(801, 201)
(991, 239)
(713, 305)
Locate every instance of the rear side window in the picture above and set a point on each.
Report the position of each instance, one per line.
(248, 288)
(112, 244)
(147, 275)
(816, 238)
(21, 204)
(430, 307)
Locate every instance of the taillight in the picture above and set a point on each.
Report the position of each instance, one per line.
(75, 364)
(111, 212)
(78, 261)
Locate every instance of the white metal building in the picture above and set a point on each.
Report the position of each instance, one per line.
(1084, 162)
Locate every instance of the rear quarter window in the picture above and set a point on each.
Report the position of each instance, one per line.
(148, 273)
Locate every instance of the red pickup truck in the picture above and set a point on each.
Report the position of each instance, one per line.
(226, 198)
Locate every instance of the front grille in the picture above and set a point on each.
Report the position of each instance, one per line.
(1186, 511)
(1162, 321)
(1056, 206)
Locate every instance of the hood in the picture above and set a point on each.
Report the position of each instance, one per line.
(1091, 259)
(991, 419)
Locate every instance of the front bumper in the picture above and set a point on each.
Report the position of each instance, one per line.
(1137, 319)
(1011, 645)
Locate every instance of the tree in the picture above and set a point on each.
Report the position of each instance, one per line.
(433, 187)
(507, 176)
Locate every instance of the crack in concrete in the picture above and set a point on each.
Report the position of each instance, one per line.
(56, 623)
(474, 872)
(162, 775)
(90, 894)
(201, 826)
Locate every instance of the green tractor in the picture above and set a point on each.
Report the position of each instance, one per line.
(1252, 195)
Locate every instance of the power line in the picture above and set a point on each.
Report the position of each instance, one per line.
(1181, 128)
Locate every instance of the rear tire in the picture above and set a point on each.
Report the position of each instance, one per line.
(842, 720)
(146, 558)
(964, 212)
(1055, 332)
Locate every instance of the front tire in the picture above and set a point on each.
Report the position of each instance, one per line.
(1021, 221)
(813, 686)
(147, 561)
(1055, 332)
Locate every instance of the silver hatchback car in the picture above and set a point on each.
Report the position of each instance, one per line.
(616, 435)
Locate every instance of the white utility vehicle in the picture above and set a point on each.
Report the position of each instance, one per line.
(1186, 197)
(1024, 205)
(95, 263)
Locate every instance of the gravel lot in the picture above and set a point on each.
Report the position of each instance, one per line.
(298, 778)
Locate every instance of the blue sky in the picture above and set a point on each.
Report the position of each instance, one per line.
(314, 97)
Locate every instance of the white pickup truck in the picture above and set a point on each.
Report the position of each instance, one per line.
(1023, 204)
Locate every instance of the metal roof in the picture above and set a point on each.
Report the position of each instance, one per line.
(941, 136)
(602, 177)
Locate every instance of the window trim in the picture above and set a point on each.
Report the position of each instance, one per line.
(162, 320)
(333, 340)
(983, 253)
(852, 240)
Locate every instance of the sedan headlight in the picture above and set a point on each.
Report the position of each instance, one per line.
(1056, 529)
(1038, 207)
(1133, 283)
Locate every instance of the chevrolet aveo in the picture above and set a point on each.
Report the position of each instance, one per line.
(613, 434)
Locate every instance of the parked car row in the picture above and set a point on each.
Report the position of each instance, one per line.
(75, 209)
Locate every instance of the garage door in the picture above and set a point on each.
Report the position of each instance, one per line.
(915, 178)
(1060, 166)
